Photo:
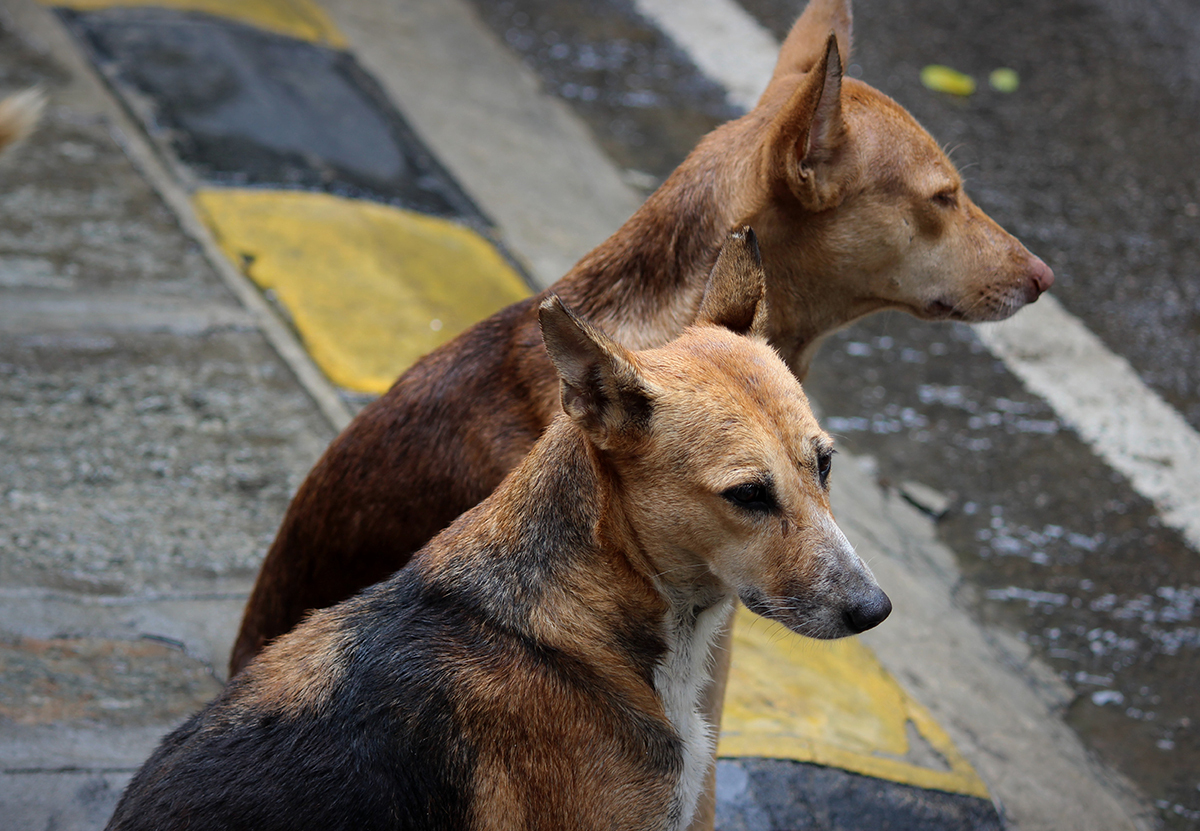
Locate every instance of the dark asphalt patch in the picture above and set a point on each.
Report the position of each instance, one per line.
(774, 795)
(244, 107)
(639, 92)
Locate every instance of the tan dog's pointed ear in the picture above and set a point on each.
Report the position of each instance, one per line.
(735, 296)
(602, 390)
(805, 43)
(803, 141)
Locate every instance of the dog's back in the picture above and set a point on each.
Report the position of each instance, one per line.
(349, 723)
(437, 700)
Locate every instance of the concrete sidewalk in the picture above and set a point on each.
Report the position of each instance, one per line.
(157, 411)
(150, 437)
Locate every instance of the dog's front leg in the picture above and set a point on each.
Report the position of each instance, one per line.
(713, 703)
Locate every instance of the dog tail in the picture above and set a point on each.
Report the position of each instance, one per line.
(18, 115)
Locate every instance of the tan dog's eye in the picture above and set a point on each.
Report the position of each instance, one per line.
(753, 496)
(824, 465)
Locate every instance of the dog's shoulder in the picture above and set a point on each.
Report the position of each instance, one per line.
(331, 727)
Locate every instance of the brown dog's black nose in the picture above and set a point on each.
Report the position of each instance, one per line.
(869, 613)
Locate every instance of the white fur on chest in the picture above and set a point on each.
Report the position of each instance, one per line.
(680, 681)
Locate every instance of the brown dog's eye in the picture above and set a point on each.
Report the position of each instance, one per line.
(824, 465)
(946, 198)
(753, 496)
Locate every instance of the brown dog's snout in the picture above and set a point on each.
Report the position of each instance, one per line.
(868, 612)
(1041, 278)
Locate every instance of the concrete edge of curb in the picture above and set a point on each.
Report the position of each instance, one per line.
(40, 22)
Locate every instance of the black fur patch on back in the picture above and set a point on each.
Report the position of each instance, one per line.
(384, 754)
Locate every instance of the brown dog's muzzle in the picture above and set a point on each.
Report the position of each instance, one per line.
(1041, 278)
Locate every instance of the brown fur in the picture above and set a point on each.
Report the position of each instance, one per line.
(298, 677)
(857, 210)
(542, 664)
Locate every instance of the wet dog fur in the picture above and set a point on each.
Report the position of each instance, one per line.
(541, 664)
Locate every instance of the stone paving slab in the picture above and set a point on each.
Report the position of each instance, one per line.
(201, 625)
(61, 800)
(369, 287)
(107, 434)
(755, 794)
(240, 106)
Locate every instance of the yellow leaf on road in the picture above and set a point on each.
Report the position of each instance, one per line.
(944, 79)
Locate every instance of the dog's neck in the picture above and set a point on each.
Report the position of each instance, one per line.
(643, 285)
(551, 556)
(681, 680)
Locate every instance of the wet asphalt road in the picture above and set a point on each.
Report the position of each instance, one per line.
(1092, 163)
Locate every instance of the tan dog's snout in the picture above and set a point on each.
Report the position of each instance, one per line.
(1006, 261)
(868, 611)
(828, 592)
(863, 604)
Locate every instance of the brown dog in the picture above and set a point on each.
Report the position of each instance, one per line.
(18, 115)
(541, 664)
(857, 210)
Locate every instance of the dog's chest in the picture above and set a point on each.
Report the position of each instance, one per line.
(680, 680)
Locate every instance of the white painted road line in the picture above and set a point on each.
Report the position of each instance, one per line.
(1054, 354)
(723, 41)
(1100, 395)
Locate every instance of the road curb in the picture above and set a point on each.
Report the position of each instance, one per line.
(298, 122)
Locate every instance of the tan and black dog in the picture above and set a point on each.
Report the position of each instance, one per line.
(541, 664)
(857, 209)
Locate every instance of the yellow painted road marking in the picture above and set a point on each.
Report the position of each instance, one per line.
(300, 19)
(370, 288)
(830, 703)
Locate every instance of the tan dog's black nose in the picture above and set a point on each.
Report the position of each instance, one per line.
(869, 613)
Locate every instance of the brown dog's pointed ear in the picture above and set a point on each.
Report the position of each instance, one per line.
(805, 43)
(804, 138)
(735, 296)
(601, 389)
